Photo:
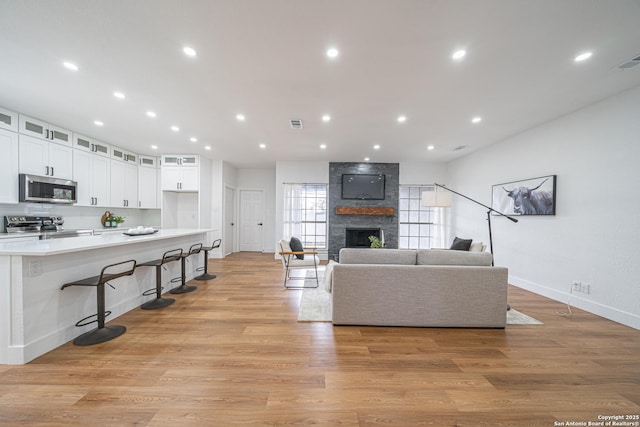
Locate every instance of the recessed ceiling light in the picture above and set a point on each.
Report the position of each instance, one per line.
(366, 159)
(98, 123)
(119, 95)
(430, 147)
(154, 147)
(240, 117)
(151, 114)
(207, 147)
(477, 119)
(332, 52)
(376, 147)
(189, 51)
(193, 139)
(326, 118)
(263, 146)
(402, 119)
(323, 146)
(583, 56)
(459, 54)
(70, 66)
(175, 128)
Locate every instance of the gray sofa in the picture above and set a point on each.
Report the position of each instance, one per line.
(424, 288)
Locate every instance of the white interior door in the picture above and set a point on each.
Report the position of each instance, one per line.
(251, 220)
(229, 241)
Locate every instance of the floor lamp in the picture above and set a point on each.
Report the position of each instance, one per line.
(441, 199)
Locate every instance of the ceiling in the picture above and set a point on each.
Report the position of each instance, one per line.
(267, 59)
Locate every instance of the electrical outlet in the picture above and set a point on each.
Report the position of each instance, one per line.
(35, 268)
(583, 288)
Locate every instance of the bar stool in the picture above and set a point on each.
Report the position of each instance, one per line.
(159, 302)
(184, 288)
(102, 333)
(206, 275)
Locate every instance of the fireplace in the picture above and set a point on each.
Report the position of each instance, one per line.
(359, 237)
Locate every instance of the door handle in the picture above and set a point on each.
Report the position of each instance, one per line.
(259, 223)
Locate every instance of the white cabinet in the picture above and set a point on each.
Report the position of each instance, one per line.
(92, 173)
(89, 144)
(177, 178)
(147, 187)
(180, 160)
(124, 155)
(124, 184)
(8, 120)
(9, 166)
(148, 161)
(44, 130)
(44, 158)
(180, 173)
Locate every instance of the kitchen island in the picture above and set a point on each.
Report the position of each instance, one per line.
(36, 316)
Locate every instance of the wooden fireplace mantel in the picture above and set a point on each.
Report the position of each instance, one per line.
(353, 210)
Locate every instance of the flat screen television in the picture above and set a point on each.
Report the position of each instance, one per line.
(363, 186)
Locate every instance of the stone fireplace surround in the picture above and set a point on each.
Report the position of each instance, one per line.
(384, 219)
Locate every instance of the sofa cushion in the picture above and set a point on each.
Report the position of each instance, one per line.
(477, 247)
(461, 244)
(296, 246)
(448, 257)
(377, 256)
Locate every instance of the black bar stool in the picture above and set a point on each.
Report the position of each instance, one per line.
(206, 275)
(102, 333)
(184, 288)
(159, 302)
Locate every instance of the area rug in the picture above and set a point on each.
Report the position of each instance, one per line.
(315, 306)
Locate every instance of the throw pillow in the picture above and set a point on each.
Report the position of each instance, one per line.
(461, 244)
(296, 246)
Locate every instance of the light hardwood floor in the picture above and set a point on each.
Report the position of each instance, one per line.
(233, 353)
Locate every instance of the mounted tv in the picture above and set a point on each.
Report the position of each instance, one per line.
(363, 186)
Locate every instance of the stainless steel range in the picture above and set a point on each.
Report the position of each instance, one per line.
(48, 227)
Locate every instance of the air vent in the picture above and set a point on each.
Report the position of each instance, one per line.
(459, 147)
(295, 123)
(629, 64)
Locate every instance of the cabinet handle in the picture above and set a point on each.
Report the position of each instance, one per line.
(51, 170)
(46, 170)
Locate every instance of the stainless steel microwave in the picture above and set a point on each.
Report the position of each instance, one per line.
(44, 189)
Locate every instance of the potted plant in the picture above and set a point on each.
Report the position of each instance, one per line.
(375, 242)
(116, 220)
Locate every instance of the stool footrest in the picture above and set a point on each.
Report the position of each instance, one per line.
(151, 291)
(80, 323)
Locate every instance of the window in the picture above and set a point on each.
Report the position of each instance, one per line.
(305, 214)
(421, 227)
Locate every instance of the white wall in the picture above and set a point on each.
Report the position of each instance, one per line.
(420, 173)
(593, 238)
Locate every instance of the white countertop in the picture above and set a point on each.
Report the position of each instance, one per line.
(83, 243)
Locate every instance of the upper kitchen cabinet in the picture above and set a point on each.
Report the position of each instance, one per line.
(124, 185)
(180, 173)
(40, 129)
(180, 160)
(148, 161)
(92, 173)
(89, 144)
(44, 158)
(8, 120)
(124, 155)
(147, 187)
(9, 166)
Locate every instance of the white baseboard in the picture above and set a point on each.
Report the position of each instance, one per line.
(605, 311)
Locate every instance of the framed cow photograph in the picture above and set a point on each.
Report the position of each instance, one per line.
(535, 196)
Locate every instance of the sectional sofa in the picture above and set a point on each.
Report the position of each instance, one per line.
(420, 288)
